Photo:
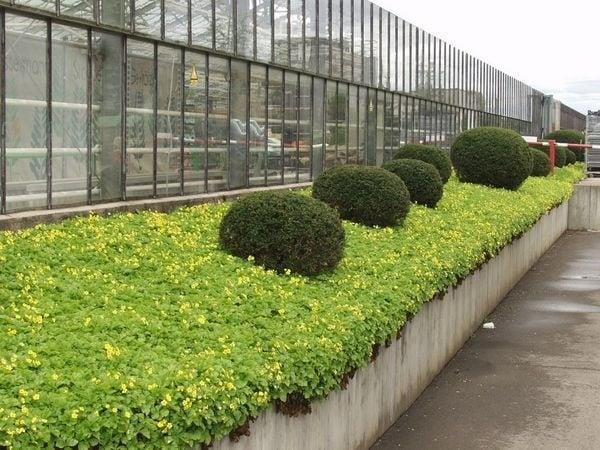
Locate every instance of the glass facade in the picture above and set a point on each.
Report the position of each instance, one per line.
(110, 100)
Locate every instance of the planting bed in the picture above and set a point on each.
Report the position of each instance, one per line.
(137, 330)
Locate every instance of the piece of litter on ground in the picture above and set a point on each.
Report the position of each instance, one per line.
(489, 325)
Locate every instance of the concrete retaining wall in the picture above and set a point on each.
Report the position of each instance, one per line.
(584, 209)
(382, 391)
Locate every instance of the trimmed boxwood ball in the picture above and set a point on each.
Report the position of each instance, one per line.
(370, 196)
(541, 163)
(491, 156)
(284, 230)
(430, 154)
(560, 155)
(422, 180)
(569, 137)
(571, 157)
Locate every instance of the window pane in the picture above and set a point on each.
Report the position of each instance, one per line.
(281, 32)
(296, 28)
(336, 39)
(318, 121)
(263, 30)
(148, 17)
(26, 113)
(380, 128)
(353, 157)
(311, 43)
(324, 37)
(224, 25)
(202, 30)
(393, 54)
(389, 127)
(331, 157)
(195, 123)
(368, 44)
(290, 130)
(237, 130)
(385, 63)
(106, 116)
(245, 28)
(48, 5)
(140, 119)
(168, 121)
(305, 128)
(347, 43)
(83, 9)
(358, 50)
(342, 123)
(376, 46)
(218, 123)
(69, 115)
(371, 141)
(176, 20)
(115, 13)
(275, 131)
(362, 124)
(258, 126)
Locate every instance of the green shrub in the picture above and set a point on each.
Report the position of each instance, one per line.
(566, 136)
(429, 154)
(367, 195)
(571, 156)
(422, 180)
(284, 230)
(560, 155)
(541, 163)
(491, 156)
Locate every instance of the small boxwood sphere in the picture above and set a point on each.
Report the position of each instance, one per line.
(370, 196)
(571, 157)
(284, 230)
(430, 154)
(560, 155)
(422, 180)
(491, 156)
(541, 163)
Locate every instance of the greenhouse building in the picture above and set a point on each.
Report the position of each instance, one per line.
(110, 100)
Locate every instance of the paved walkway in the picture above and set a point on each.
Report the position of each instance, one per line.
(531, 383)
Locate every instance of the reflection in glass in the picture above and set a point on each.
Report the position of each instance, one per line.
(336, 39)
(115, 13)
(245, 28)
(259, 151)
(263, 30)
(69, 115)
(358, 41)
(353, 136)
(304, 128)
(363, 109)
(324, 37)
(238, 127)
(148, 17)
(194, 129)
(218, 123)
(275, 129)
(331, 128)
(385, 55)
(26, 113)
(290, 129)
(380, 128)
(371, 140)
(342, 123)
(311, 44)
(83, 9)
(318, 127)
(48, 5)
(281, 32)
(168, 121)
(176, 20)
(140, 119)
(376, 45)
(347, 43)
(296, 30)
(202, 34)
(368, 44)
(224, 25)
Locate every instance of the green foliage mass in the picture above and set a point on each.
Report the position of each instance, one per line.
(429, 154)
(137, 331)
(541, 163)
(422, 180)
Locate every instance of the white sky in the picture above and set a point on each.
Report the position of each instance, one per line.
(551, 45)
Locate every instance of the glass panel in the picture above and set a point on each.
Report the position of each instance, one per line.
(389, 127)
(380, 128)
(305, 128)
(358, 47)
(363, 110)
(336, 43)
(342, 123)
(404, 62)
(263, 30)
(237, 127)
(275, 130)
(245, 28)
(140, 119)
(48, 5)
(26, 113)
(69, 115)
(290, 130)
(324, 37)
(353, 136)
(168, 121)
(414, 58)
(115, 13)
(296, 28)
(347, 43)
(311, 44)
(331, 157)
(218, 123)
(195, 140)
(385, 50)
(368, 44)
(259, 155)
(396, 129)
(148, 17)
(393, 53)
(376, 46)
(202, 30)
(224, 25)
(371, 144)
(176, 20)
(281, 32)
(318, 121)
(106, 116)
(83, 9)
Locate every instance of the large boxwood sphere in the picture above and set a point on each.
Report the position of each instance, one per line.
(430, 154)
(569, 137)
(284, 230)
(491, 156)
(541, 163)
(571, 156)
(370, 196)
(422, 180)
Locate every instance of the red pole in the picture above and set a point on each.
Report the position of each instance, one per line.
(552, 154)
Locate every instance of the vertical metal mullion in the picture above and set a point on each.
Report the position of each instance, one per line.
(155, 124)
(214, 24)
(248, 75)
(162, 19)
(206, 158)
(182, 121)
(123, 118)
(2, 113)
(49, 113)
(96, 11)
(132, 15)
(89, 118)
(229, 123)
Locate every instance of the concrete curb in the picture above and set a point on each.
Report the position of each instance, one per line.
(379, 393)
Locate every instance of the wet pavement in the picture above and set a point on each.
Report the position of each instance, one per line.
(533, 382)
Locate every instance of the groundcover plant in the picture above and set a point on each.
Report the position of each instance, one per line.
(136, 330)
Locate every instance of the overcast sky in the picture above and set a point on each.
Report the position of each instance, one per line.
(551, 45)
